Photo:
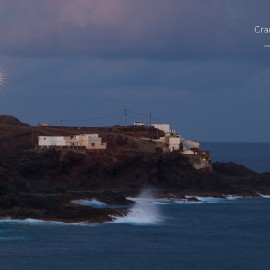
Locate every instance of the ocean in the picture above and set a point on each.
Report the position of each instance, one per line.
(255, 156)
(157, 234)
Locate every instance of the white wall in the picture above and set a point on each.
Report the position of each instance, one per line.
(174, 143)
(91, 141)
(188, 144)
(52, 141)
(163, 127)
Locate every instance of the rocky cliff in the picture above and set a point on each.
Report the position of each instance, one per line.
(42, 183)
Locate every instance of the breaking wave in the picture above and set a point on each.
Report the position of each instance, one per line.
(233, 197)
(144, 211)
(97, 204)
(226, 198)
(210, 199)
(166, 201)
(162, 201)
(93, 203)
(186, 200)
(30, 221)
(264, 196)
(151, 201)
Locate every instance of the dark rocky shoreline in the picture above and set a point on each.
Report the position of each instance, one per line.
(41, 184)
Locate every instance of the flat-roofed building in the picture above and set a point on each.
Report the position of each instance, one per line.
(87, 141)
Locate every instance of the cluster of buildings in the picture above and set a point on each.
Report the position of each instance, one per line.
(171, 141)
(89, 142)
(200, 159)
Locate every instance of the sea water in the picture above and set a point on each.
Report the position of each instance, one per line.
(156, 234)
(230, 235)
(253, 155)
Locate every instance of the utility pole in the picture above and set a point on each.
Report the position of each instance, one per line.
(32, 137)
(150, 119)
(125, 116)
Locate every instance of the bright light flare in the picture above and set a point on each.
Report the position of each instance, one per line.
(2, 78)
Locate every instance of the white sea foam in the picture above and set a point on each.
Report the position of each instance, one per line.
(186, 201)
(208, 199)
(93, 203)
(233, 197)
(201, 199)
(163, 201)
(30, 221)
(220, 200)
(144, 211)
(151, 201)
(264, 196)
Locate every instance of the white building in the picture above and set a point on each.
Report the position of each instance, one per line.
(46, 141)
(173, 142)
(163, 127)
(190, 144)
(91, 141)
(170, 142)
(187, 152)
(138, 123)
(87, 141)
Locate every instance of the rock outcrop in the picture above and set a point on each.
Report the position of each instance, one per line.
(39, 183)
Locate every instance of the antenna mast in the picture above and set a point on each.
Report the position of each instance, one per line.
(125, 116)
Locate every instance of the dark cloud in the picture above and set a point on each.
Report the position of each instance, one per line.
(196, 64)
(126, 28)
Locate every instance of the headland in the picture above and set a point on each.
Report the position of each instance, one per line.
(40, 180)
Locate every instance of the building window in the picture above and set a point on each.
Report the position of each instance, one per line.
(92, 144)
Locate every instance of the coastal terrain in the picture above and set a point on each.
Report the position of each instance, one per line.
(44, 183)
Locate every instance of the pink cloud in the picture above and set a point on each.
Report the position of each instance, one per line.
(126, 26)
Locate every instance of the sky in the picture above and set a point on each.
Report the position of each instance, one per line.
(198, 65)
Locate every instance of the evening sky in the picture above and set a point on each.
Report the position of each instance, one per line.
(198, 65)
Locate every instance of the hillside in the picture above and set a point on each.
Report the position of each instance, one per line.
(37, 183)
